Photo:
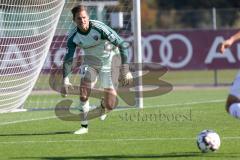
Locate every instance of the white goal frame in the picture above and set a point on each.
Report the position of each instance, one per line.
(135, 40)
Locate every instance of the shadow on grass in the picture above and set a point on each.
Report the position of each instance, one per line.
(35, 134)
(167, 155)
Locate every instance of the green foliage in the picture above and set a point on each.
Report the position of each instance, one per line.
(189, 14)
(197, 4)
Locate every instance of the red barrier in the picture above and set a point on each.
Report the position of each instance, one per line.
(194, 49)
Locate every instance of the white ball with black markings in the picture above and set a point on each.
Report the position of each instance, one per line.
(208, 140)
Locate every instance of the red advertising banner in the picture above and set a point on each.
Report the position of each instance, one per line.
(190, 49)
(178, 50)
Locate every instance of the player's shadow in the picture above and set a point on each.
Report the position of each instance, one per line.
(167, 155)
(35, 134)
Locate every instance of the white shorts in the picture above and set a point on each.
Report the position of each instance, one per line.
(105, 78)
(235, 88)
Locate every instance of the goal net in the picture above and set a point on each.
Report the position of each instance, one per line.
(115, 13)
(27, 28)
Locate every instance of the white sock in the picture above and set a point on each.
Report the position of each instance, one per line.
(84, 106)
(84, 123)
(234, 110)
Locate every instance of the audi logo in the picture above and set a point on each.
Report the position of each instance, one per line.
(165, 51)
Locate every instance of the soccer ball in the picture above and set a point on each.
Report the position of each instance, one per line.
(208, 140)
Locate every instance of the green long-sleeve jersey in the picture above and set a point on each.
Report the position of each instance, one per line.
(100, 43)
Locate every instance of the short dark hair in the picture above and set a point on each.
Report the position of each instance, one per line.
(77, 9)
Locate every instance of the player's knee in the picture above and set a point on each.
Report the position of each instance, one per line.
(110, 104)
(83, 98)
(227, 107)
(234, 110)
(230, 101)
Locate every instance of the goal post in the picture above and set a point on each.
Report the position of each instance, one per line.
(138, 50)
(27, 28)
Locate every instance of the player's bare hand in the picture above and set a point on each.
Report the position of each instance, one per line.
(125, 77)
(66, 86)
(226, 44)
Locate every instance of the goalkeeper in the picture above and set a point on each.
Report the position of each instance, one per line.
(100, 44)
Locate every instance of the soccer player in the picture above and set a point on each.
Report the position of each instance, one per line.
(233, 99)
(100, 44)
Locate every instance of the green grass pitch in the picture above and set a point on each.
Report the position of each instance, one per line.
(165, 129)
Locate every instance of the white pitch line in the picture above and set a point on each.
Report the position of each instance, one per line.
(154, 106)
(98, 140)
(112, 140)
(27, 120)
(187, 103)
